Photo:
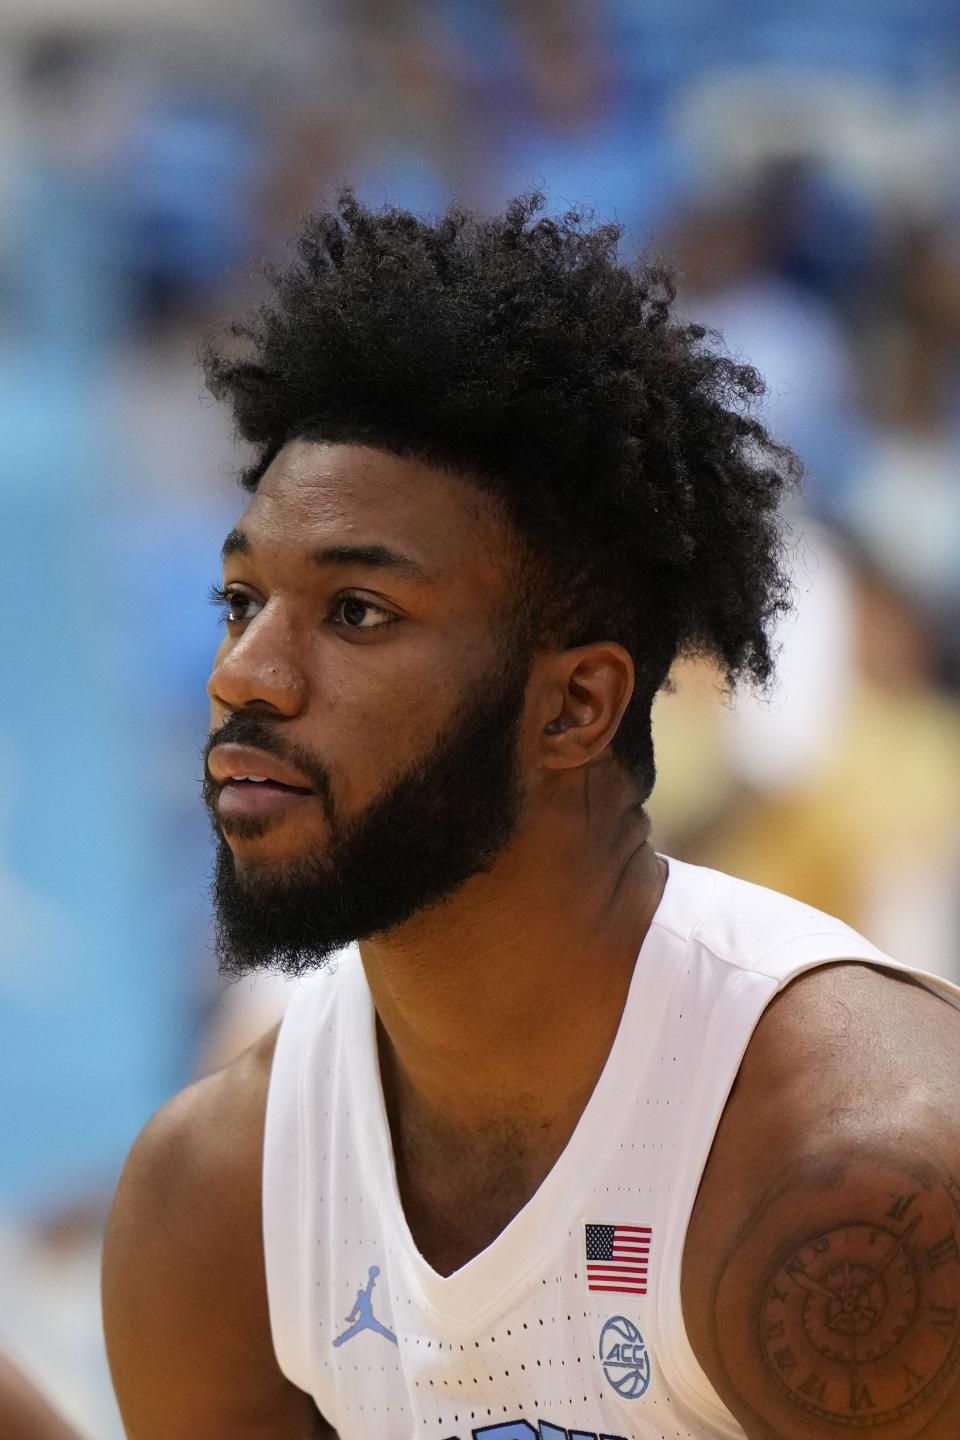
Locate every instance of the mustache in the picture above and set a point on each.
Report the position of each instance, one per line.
(242, 729)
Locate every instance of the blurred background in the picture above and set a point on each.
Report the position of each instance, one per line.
(797, 164)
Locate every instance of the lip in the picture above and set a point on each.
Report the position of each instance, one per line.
(226, 761)
(239, 797)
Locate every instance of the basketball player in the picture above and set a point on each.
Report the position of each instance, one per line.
(575, 1140)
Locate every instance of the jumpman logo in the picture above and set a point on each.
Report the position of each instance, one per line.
(362, 1313)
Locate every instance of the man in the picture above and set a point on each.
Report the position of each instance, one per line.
(593, 1143)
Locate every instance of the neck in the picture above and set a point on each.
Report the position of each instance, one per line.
(504, 1001)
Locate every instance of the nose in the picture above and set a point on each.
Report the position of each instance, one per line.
(259, 665)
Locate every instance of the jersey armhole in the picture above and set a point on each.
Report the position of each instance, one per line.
(683, 1369)
(749, 996)
(284, 1187)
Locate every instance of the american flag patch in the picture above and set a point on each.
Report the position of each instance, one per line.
(617, 1258)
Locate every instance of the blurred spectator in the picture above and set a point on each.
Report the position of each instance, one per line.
(904, 491)
(61, 236)
(746, 269)
(867, 827)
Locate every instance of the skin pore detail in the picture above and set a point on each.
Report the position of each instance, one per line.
(394, 755)
(837, 1309)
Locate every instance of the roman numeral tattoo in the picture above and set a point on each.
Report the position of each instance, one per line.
(944, 1251)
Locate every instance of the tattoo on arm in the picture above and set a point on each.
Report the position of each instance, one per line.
(838, 1309)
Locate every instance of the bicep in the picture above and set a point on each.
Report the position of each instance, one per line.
(184, 1302)
(836, 1306)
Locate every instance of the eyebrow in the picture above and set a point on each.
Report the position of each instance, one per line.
(370, 557)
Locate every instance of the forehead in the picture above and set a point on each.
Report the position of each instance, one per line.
(316, 494)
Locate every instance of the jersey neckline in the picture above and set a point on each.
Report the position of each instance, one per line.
(513, 1259)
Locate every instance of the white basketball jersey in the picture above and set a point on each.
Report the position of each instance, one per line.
(569, 1325)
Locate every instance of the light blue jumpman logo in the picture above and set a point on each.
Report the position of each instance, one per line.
(362, 1313)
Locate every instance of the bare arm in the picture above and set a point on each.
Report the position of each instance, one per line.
(838, 1305)
(24, 1413)
(184, 1292)
(822, 1279)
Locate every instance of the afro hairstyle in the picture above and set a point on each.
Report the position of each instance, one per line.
(519, 352)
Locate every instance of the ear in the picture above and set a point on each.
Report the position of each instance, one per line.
(581, 697)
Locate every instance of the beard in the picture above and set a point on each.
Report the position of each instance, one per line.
(445, 819)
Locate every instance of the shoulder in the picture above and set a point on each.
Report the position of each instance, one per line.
(184, 1294)
(847, 1041)
(756, 928)
(207, 1139)
(821, 1283)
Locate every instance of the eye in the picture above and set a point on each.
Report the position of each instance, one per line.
(351, 612)
(229, 602)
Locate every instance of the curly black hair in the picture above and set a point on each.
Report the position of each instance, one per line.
(518, 351)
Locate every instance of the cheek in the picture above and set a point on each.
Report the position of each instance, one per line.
(371, 739)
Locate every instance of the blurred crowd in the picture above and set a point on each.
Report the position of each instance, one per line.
(795, 166)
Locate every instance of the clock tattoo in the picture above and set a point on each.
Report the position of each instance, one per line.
(859, 1324)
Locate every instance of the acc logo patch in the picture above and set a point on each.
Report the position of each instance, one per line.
(624, 1357)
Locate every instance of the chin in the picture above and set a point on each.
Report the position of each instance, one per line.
(272, 836)
(273, 857)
